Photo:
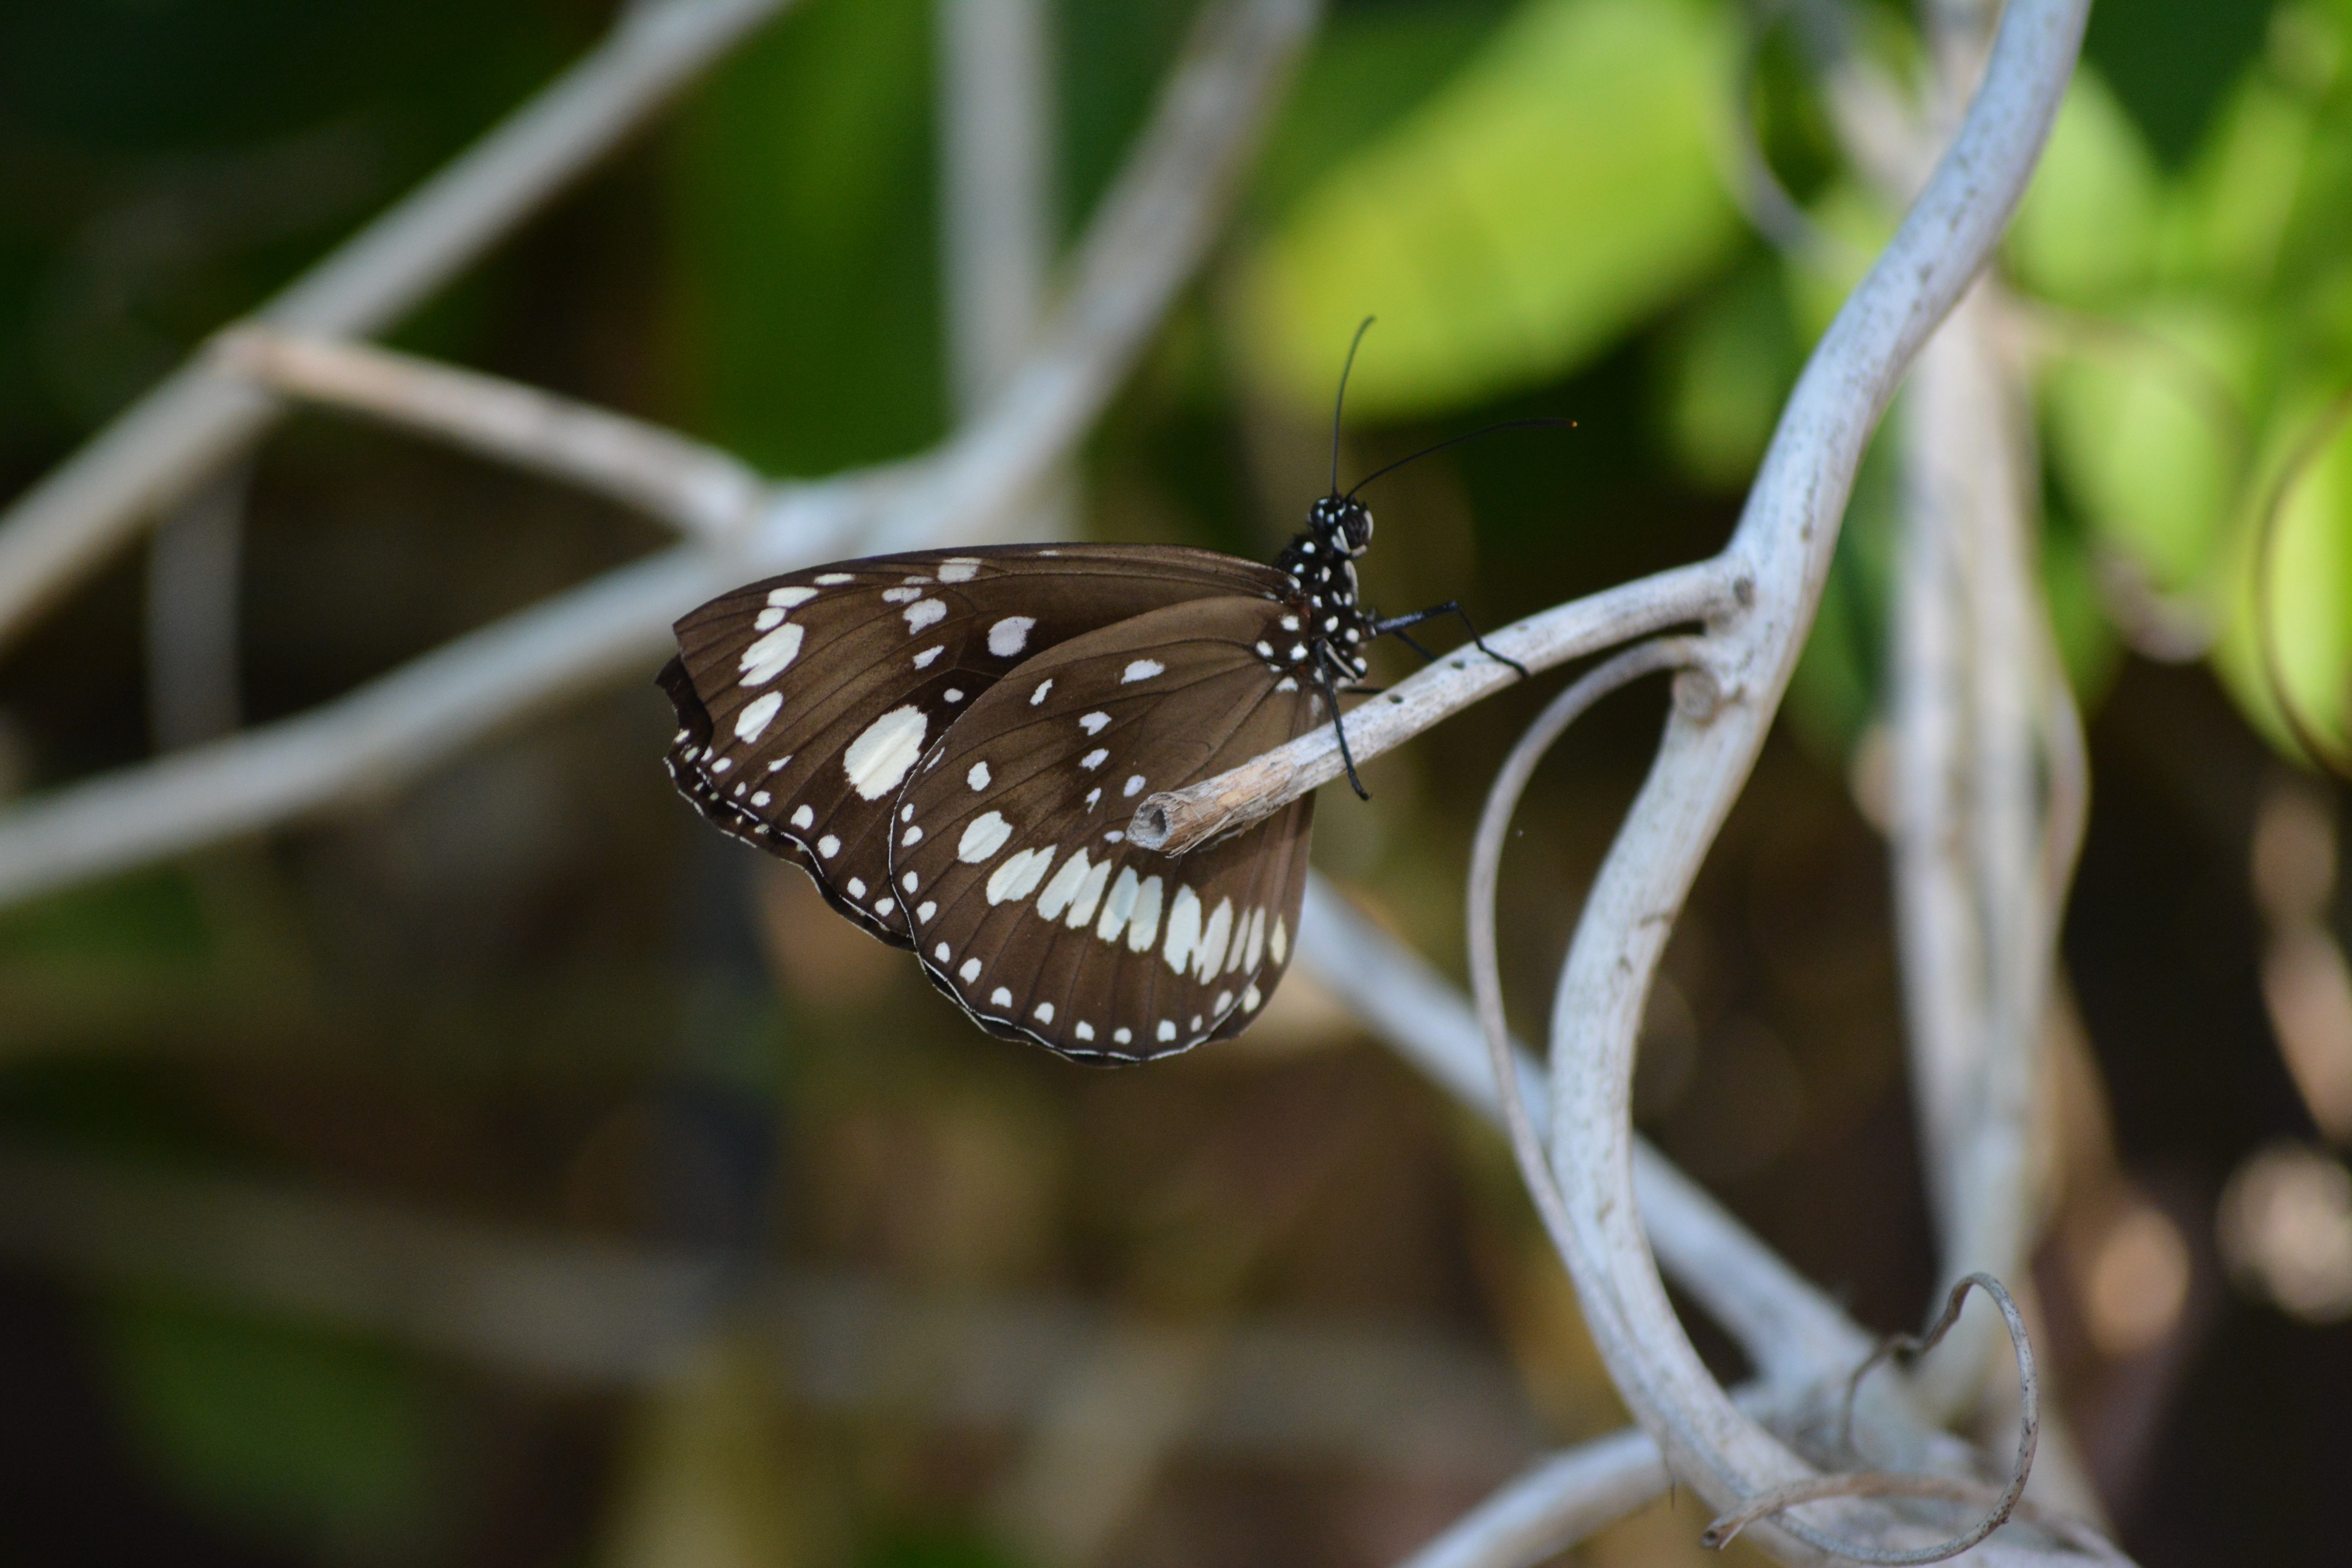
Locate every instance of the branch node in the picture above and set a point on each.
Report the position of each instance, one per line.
(1698, 696)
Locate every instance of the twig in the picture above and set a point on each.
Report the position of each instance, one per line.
(1978, 925)
(1152, 229)
(702, 492)
(1879, 1484)
(1176, 821)
(1882, 1484)
(1795, 1335)
(996, 146)
(1486, 869)
(1555, 1504)
(166, 444)
(1785, 540)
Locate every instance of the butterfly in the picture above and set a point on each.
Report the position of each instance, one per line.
(952, 743)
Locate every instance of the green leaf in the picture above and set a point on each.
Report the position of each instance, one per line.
(1560, 190)
(2144, 421)
(2309, 577)
(2232, 215)
(807, 309)
(2087, 229)
(300, 1435)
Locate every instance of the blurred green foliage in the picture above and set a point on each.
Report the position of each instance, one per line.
(1561, 187)
(328, 1444)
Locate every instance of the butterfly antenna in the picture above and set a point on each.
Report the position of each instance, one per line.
(1450, 441)
(1340, 402)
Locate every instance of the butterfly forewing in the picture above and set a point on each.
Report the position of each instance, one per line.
(805, 700)
(1008, 846)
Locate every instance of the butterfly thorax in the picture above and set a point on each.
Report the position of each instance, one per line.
(1333, 626)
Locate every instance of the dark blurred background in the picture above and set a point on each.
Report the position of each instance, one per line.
(513, 1172)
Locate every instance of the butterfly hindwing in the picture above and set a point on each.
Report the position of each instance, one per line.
(1008, 850)
(805, 700)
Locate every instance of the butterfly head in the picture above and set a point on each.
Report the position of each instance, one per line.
(1342, 523)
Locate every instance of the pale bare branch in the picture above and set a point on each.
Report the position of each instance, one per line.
(1784, 542)
(700, 491)
(1176, 821)
(1152, 229)
(166, 444)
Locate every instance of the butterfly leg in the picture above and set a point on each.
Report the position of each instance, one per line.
(1393, 626)
(1331, 695)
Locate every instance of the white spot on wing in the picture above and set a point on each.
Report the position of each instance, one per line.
(940, 952)
(1250, 999)
(1210, 957)
(1119, 906)
(970, 972)
(1094, 759)
(978, 776)
(1281, 941)
(787, 598)
(1010, 636)
(1167, 1030)
(832, 578)
(1045, 1013)
(983, 836)
(803, 817)
(878, 759)
(1256, 941)
(767, 620)
(1064, 887)
(908, 839)
(1122, 1036)
(1000, 998)
(1093, 722)
(923, 659)
(857, 886)
(1083, 1031)
(1142, 669)
(924, 613)
(1133, 787)
(900, 596)
(1082, 907)
(829, 846)
(1143, 925)
(1039, 695)
(1018, 877)
(926, 912)
(765, 660)
(752, 722)
(1183, 929)
(959, 569)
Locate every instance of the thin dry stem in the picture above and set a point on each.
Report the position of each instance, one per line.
(1151, 230)
(1883, 1484)
(1486, 871)
(1176, 821)
(183, 430)
(1559, 1501)
(1785, 538)
(702, 492)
